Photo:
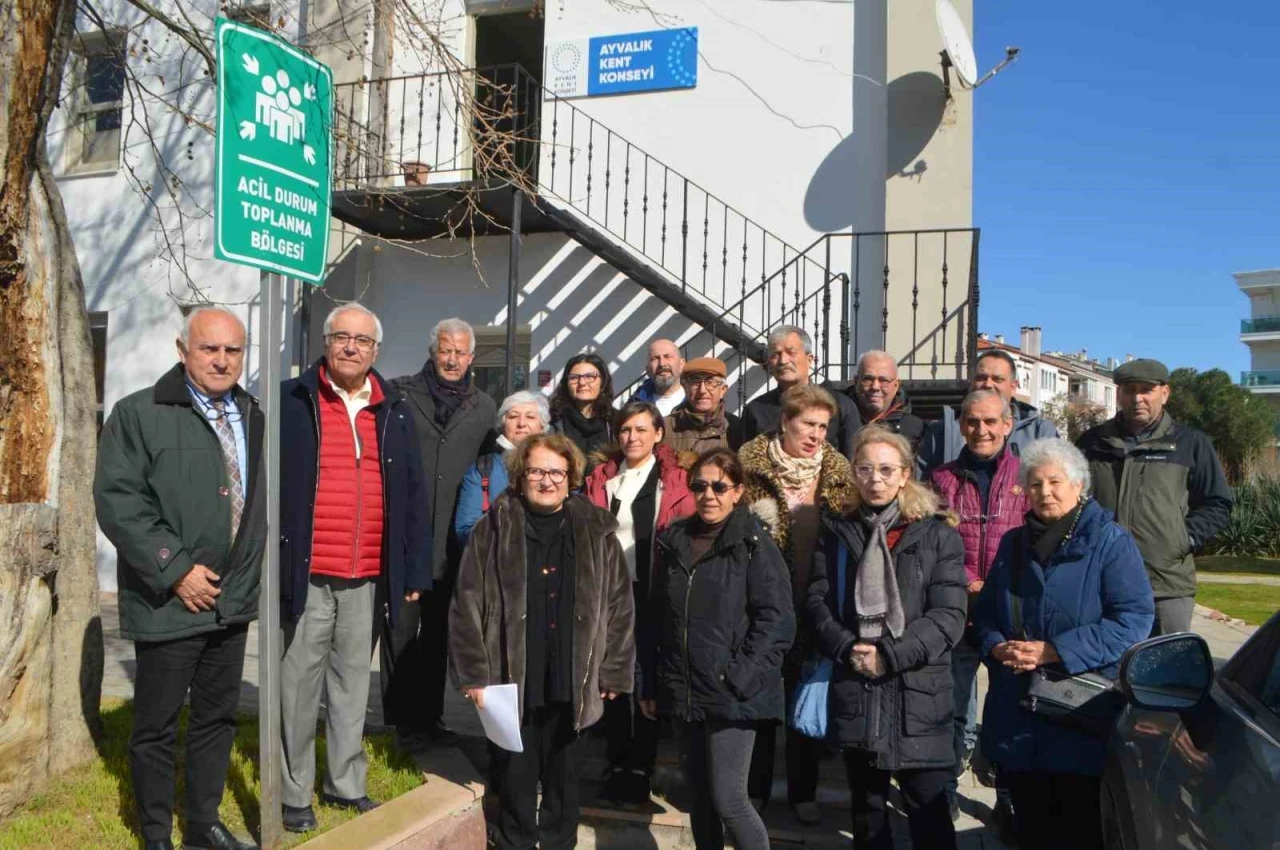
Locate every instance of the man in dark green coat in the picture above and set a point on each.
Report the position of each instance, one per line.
(1164, 483)
(179, 492)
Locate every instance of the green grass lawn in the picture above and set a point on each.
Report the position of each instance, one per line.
(1231, 564)
(94, 806)
(1253, 603)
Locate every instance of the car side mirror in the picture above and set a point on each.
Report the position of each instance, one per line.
(1167, 673)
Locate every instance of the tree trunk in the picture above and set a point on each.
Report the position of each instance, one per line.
(51, 637)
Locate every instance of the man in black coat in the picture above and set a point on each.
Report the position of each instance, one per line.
(356, 514)
(791, 363)
(880, 399)
(453, 420)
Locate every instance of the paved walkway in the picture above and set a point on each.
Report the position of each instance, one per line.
(1237, 578)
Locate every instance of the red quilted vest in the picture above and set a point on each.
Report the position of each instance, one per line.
(346, 538)
(1007, 505)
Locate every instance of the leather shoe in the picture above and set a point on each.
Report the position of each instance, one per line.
(299, 818)
(440, 732)
(158, 844)
(359, 804)
(213, 837)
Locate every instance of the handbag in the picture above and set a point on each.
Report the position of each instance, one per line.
(1088, 702)
(809, 707)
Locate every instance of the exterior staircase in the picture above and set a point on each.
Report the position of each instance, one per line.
(443, 154)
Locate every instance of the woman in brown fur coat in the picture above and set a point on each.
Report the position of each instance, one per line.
(793, 475)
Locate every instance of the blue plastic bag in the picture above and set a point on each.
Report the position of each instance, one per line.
(809, 708)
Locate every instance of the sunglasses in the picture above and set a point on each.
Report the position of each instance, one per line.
(697, 486)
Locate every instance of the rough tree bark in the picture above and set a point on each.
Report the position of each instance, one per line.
(50, 633)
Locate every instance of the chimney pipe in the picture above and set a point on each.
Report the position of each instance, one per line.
(1000, 339)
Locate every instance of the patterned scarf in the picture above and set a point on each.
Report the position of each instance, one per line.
(794, 473)
(875, 590)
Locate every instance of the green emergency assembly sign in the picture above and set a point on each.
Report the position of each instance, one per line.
(275, 154)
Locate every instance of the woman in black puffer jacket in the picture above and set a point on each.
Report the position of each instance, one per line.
(890, 638)
(723, 620)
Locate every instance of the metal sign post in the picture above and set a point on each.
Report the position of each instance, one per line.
(272, 190)
(274, 175)
(270, 649)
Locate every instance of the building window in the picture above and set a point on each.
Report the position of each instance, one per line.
(1108, 394)
(98, 339)
(96, 102)
(489, 369)
(254, 14)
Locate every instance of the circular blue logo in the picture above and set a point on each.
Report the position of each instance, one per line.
(682, 58)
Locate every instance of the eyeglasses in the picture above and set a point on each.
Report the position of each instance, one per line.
(362, 342)
(584, 378)
(555, 476)
(697, 486)
(872, 380)
(868, 473)
(709, 383)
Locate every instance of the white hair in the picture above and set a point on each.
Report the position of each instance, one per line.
(876, 354)
(353, 307)
(781, 332)
(1059, 451)
(451, 327)
(1006, 409)
(189, 319)
(538, 400)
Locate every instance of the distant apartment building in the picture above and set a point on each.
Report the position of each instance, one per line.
(1045, 377)
(1261, 332)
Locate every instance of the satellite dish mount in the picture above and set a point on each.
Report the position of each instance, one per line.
(957, 50)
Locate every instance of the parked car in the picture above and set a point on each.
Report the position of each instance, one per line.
(1194, 762)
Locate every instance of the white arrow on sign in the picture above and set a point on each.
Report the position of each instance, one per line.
(309, 154)
(248, 130)
(250, 63)
(309, 91)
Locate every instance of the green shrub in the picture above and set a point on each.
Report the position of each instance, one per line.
(1254, 528)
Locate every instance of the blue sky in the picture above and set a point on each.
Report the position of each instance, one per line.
(1124, 167)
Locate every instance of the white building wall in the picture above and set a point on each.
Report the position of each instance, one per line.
(767, 130)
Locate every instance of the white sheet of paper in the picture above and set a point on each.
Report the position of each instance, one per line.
(501, 716)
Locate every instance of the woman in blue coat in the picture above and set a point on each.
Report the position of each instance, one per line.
(1085, 599)
(521, 414)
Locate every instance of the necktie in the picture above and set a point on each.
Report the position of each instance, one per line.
(227, 437)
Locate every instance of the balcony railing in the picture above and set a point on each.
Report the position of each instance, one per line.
(1260, 325)
(1260, 378)
(914, 293)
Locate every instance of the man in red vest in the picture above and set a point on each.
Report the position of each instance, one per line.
(354, 512)
(981, 488)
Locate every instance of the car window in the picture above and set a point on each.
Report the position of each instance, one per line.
(1256, 667)
(1271, 688)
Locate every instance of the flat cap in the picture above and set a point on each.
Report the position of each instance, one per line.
(706, 366)
(1144, 371)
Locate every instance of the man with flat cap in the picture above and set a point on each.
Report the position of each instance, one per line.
(1164, 483)
(700, 423)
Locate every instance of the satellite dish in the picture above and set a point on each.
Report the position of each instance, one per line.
(956, 42)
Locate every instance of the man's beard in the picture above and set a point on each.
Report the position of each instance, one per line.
(665, 380)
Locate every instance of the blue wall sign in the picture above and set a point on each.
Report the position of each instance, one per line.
(623, 64)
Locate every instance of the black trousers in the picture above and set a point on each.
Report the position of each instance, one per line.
(924, 796)
(715, 759)
(413, 657)
(631, 739)
(803, 755)
(553, 756)
(1057, 810)
(210, 666)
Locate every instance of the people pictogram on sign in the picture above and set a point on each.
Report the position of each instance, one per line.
(276, 107)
